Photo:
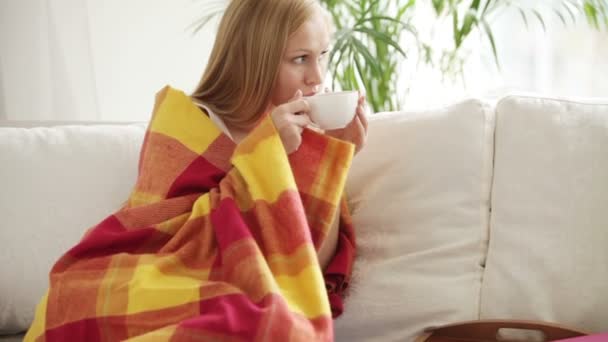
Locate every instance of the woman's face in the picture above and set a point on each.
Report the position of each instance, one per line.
(304, 61)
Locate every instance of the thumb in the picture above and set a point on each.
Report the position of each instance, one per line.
(296, 96)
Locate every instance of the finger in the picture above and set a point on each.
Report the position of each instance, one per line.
(360, 136)
(361, 98)
(362, 92)
(302, 120)
(299, 130)
(315, 128)
(296, 96)
(363, 117)
(295, 142)
(359, 127)
(297, 106)
(358, 113)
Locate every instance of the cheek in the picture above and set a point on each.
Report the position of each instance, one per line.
(288, 83)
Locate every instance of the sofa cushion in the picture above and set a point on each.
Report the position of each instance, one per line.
(56, 182)
(419, 193)
(548, 255)
(12, 338)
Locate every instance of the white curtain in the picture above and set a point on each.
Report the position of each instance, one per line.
(96, 59)
(46, 65)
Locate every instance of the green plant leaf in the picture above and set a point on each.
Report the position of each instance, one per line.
(486, 7)
(561, 17)
(404, 8)
(379, 17)
(345, 51)
(591, 14)
(212, 8)
(457, 34)
(438, 5)
(364, 80)
(475, 5)
(540, 18)
(603, 11)
(469, 19)
(341, 43)
(352, 78)
(382, 37)
(369, 58)
(342, 50)
(569, 10)
(524, 17)
(369, 8)
(490, 35)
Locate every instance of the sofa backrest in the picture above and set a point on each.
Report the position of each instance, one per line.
(419, 193)
(55, 183)
(548, 252)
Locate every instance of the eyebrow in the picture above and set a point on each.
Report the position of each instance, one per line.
(307, 50)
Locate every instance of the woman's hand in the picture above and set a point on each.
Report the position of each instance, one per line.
(356, 131)
(290, 119)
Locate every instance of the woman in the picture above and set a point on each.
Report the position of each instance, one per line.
(267, 55)
(232, 229)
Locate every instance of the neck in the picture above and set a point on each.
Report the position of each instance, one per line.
(240, 132)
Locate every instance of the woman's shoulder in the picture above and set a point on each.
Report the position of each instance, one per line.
(169, 91)
(173, 96)
(170, 97)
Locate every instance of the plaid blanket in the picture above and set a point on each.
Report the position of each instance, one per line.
(217, 241)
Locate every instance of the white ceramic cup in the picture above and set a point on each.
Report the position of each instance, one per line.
(333, 110)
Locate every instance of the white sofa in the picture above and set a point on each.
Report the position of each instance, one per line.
(471, 211)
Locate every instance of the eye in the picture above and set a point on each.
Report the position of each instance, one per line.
(300, 59)
(323, 54)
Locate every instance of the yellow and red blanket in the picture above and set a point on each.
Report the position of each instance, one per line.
(217, 241)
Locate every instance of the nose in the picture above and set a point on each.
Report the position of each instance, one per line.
(314, 76)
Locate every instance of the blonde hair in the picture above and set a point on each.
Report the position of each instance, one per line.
(244, 62)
